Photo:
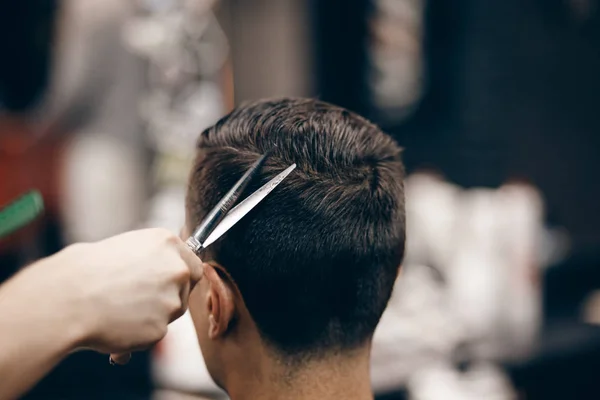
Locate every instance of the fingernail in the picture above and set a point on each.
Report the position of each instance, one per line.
(121, 359)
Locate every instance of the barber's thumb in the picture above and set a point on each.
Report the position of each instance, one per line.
(121, 359)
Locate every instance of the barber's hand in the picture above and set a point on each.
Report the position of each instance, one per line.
(128, 288)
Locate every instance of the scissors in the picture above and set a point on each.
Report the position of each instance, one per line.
(222, 217)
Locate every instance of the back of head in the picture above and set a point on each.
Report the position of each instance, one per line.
(316, 261)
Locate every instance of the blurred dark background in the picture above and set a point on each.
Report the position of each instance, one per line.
(491, 91)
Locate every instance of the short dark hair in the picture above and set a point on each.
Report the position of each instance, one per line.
(316, 261)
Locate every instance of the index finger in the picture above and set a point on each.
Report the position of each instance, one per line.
(193, 262)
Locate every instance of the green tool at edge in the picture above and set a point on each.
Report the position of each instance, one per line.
(20, 212)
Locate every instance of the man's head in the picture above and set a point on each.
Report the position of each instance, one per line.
(308, 272)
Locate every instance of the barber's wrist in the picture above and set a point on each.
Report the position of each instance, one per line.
(60, 300)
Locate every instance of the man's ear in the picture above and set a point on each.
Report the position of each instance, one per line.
(220, 302)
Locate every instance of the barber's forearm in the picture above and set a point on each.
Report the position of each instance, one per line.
(102, 296)
(36, 332)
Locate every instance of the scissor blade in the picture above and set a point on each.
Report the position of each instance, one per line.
(240, 211)
(225, 205)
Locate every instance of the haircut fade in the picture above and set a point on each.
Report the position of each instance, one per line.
(316, 261)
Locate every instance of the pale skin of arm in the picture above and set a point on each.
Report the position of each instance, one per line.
(33, 341)
(114, 296)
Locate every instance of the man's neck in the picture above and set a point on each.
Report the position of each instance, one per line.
(333, 378)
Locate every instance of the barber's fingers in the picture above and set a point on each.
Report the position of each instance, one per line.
(192, 261)
(181, 302)
(184, 295)
(120, 358)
